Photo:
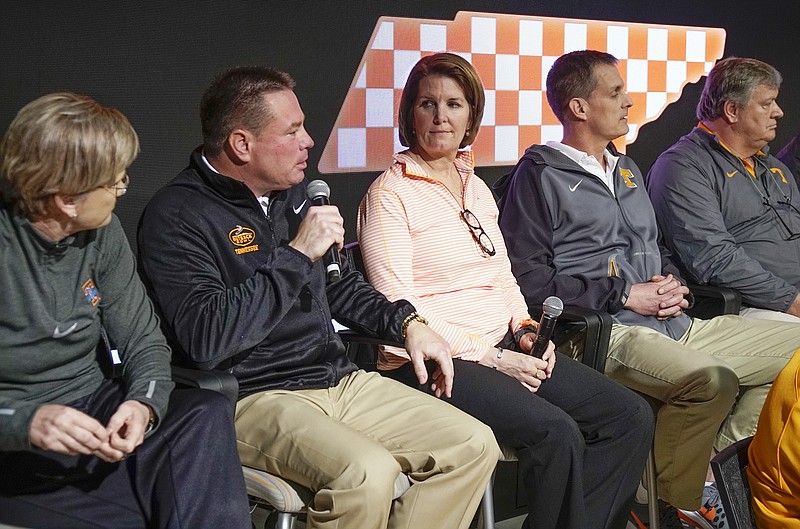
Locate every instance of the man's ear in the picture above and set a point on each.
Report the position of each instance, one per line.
(67, 205)
(730, 111)
(239, 145)
(578, 107)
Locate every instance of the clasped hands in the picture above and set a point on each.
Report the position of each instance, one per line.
(63, 429)
(662, 297)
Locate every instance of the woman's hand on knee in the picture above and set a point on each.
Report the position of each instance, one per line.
(528, 370)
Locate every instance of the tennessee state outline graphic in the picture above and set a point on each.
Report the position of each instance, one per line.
(512, 54)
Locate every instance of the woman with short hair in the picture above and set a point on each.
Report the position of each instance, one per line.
(428, 233)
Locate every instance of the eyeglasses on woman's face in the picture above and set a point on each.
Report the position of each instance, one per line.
(120, 187)
(478, 233)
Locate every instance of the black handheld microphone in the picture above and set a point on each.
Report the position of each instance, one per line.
(319, 192)
(551, 310)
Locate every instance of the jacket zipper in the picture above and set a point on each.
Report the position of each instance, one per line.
(643, 246)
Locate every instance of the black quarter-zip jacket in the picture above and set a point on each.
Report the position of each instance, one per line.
(233, 295)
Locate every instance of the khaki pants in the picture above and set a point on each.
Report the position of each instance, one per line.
(764, 314)
(349, 442)
(713, 382)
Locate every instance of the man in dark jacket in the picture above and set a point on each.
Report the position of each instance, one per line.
(790, 155)
(579, 225)
(727, 209)
(232, 249)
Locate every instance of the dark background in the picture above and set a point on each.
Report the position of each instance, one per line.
(152, 60)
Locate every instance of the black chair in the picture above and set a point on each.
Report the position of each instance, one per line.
(730, 472)
(711, 301)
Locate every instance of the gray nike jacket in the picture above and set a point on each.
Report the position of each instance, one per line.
(569, 236)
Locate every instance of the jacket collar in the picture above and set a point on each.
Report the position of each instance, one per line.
(703, 134)
(464, 162)
(544, 155)
(230, 189)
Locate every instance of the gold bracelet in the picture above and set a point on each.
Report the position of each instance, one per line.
(414, 316)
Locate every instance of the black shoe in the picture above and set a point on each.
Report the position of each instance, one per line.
(668, 516)
(711, 515)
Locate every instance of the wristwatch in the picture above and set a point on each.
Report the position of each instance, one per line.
(414, 316)
(623, 299)
(152, 422)
(499, 355)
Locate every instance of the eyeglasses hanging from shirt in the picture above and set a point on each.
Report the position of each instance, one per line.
(785, 199)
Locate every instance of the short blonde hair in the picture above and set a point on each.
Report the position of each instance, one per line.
(63, 143)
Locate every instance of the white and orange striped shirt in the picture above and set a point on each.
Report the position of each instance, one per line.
(416, 247)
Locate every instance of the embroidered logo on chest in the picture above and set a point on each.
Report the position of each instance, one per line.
(243, 237)
(91, 293)
(627, 175)
(776, 170)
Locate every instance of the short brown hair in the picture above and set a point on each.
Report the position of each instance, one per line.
(63, 143)
(446, 65)
(572, 75)
(734, 79)
(235, 99)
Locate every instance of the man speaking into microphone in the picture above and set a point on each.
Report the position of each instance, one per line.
(234, 250)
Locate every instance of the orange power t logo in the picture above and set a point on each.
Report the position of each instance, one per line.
(512, 54)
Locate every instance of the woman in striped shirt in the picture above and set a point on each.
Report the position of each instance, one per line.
(428, 233)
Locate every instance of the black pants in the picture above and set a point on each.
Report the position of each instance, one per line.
(186, 474)
(582, 440)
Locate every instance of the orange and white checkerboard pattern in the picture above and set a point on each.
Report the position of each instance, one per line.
(512, 54)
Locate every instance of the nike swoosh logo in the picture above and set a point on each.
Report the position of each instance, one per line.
(297, 209)
(730, 175)
(60, 334)
(573, 188)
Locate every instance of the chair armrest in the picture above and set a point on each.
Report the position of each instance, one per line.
(596, 323)
(597, 327)
(348, 336)
(362, 349)
(598, 331)
(219, 381)
(710, 301)
(730, 472)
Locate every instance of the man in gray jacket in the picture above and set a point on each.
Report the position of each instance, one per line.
(727, 209)
(578, 224)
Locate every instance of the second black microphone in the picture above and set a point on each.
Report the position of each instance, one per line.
(551, 310)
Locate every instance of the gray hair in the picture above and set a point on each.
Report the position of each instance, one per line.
(734, 79)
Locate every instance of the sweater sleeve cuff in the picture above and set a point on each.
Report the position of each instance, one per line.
(394, 330)
(15, 423)
(619, 296)
(154, 393)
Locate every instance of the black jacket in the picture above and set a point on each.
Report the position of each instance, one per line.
(233, 295)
